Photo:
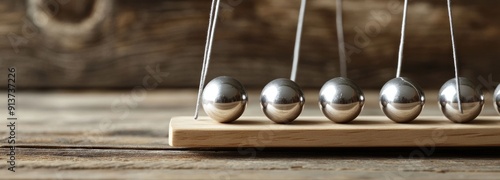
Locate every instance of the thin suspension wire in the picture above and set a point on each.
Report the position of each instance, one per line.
(455, 62)
(340, 37)
(297, 40)
(208, 49)
(402, 42)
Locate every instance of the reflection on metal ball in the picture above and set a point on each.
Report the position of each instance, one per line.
(341, 100)
(282, 100)
(496, 99)
(401, 100)
(224, 99)
(471, 98)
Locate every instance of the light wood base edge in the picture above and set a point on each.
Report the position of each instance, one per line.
(365, 131)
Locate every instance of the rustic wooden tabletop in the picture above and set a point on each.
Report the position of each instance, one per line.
(124, 135)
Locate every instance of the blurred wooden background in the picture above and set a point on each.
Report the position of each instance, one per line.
(116, 44)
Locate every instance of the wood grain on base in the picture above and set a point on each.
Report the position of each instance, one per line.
(365, 131)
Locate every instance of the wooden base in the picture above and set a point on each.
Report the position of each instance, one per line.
(366, 131)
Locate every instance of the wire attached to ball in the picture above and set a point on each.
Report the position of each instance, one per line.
(224, 99)
(401, 99)
(282, 100)
(340, 99)
(459, 98)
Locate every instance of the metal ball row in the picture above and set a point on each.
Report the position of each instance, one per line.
(224, 99)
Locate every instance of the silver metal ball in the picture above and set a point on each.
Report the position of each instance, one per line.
(471, 98)
(496, 99)
(341, 100)
(401, 100)
(282, 100)
(224, 99)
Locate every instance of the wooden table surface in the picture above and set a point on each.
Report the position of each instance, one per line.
(124, 135)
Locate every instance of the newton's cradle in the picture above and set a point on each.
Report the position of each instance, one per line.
(224, 100)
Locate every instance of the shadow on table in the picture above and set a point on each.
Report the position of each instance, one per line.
(382, 152)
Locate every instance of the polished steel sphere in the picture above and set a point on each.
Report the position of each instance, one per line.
(341, 100)
(496, 99)
(471, 98)
(224, 99)
(401, 100)
(282, 100)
